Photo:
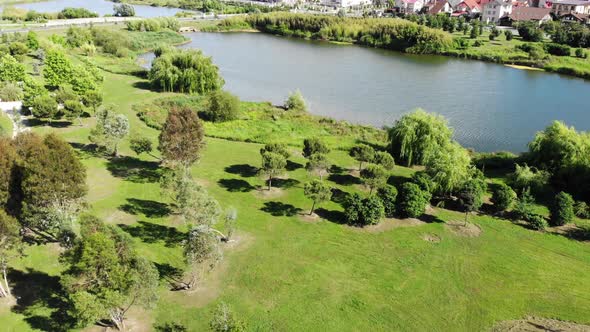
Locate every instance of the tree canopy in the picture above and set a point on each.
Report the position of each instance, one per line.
(182, 137)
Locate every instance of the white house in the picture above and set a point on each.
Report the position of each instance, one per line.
(345, 3)
(495, 9)
(562, 7)
(410, 6)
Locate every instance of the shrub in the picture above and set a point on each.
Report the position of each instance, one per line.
(537, 222)
(530, 31)
(363, 212)
(412, 200)
(528, 177)
(384, 159)
(477, 43)
(69, 13)
(123, 10)
(10, 92)
(581, 53)
(140, 145)
(388, 196)
(581, 210)
(314, 145)
(503, 197)
(558, 49)
(508, 34)
(221, 106)
(562, 210)
(296, 102)
(524, 206)
(424, 181)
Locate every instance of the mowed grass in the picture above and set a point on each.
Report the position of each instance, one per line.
(5, 125)
(287, 274)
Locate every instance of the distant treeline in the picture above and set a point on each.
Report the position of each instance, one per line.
(394, 34)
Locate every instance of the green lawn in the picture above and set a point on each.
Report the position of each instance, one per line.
(5, 125)
(286, 273)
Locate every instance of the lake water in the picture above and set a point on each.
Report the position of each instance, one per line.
(491, 107)
(101, 7)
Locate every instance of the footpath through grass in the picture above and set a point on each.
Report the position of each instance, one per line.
(286, 273)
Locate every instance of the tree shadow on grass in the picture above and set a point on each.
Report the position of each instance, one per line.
(339, 196)
(143, 85)
(292, 166)
(134, 170)
(34, 122)
(344, 179)
(279, 209)
(236, 185)
(334, 216)
(578, 234)
(168, 272)
(243, 170)
(149, 208)
(152, 233)
(284, 183)
(37, 293)
(430, 219)
(397, 181)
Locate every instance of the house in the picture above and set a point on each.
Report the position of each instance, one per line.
(440, 7)
(340, 3)
(562, 7)
(410, 6)
(575, 17)
(469, 7)
(495, 9)
(521, 14)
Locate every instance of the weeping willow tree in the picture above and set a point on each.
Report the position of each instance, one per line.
(416, 137)
(186, 71)
(450, 168)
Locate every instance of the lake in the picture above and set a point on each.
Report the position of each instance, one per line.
(101, 7)
(491, 107)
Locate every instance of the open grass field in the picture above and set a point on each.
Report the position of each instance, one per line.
(287, 272)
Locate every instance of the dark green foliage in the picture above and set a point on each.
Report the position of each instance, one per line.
(221, 106)
(582, 210)
(154, 24)
(471, 195)
(140, 145)
(581, 53)
(384, 159)
(558, 49)
(362, 153)
(388, 196)
(18, 50)
(277, 148)
(76, 37)
(186, 71)
(424, 181)
(362, 212)
(8, 159)
(562, 209)
(318, 192)
(314, 145)
(530, 31)
(501, 160)
(570, 33)
(508, 34)
(524, 208)
(537, 222)
(412, 200)
(273, 164)
(44, 107)
(70, 13)
(123, 10)
(374, 176)
(502, 197)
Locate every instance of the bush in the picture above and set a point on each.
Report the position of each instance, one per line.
(313, 146)
(537, 222)
(530, 31)
(296, 102)
(508, 35)
(562, 210)
(581, 210)
(524, 208)
(384, 159)
(502, 197)
(412, 200)
(123, 10)
(221, 106)
(363, 212)
(388, 196)
(69, 13)
(581, 53)
(528, 177)
(424, 181)
(10, 92)
(558, 49)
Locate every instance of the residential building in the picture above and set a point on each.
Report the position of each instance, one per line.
(520, 14)
(440, 7)
(410, 6)
(345, 3)
(469, 7)
(575, 17)
(562, 7)
(495, 9)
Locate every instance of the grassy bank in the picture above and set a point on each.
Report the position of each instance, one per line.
(287, 272)
(5, 125)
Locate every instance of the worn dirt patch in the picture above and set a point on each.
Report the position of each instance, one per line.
(264, 193)
(431, 238)
(310, 218)
(461, 229)
(6, 304)
(536, 324)
(389, 224)
(239, 242)
(138, 320)
(120, 217)
(203, 182)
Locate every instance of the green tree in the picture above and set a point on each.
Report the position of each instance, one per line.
(313, 146)
(92, 99)
(374, 176)
(140, 144)
(110, 129)
(362, 153)
(471, 195)
(105, 277)
(182, 137)
(450, 168)
(296, 102)
(32, 40)
(417, 136)
(502, 197)
(123, 10)
(562, 209)
(384, 159)
(58, 70)
(412, 200)
(201, 254)
(558, 146)
(10, 247)
(524, 207)
(10, 69)
(508, 34)
(318, 163)
(388, 196)
(277, 148)
(224, 320)
(8, 159)
(273, 164)
(359, 211)
(44, 107)
(318, 192)
(222, 106)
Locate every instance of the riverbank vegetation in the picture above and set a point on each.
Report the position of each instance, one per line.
(176, 216)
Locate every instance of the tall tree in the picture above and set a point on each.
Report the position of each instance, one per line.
(471, 195)
(110, 129)
(362, 153)
(374, 176)
(450, 168)
(318, 192)
(318, 163)
(314, 145)
(201, 254)
(58, 68)
(273, 164)
(181, 139)
(8, 158)
(10, 247)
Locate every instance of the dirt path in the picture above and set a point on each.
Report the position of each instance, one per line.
(18, 121)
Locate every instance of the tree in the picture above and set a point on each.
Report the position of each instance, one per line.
(224, 320)
(318, 192)
(558, 146)
(313, 146)
(471, 195)
(562, 210)
(44, 107)
(92, 99)
(318, 163)
(529, 31)
(362, 153)
(8, 171)
(528, 177)
(384, 159)
(416, 137)
(524, 207)
(424, 181)
(450, 168)
(32, 40)
(222, 106)
(374, 176)
(10, 69)
(73, 109)
(359, 211)
(296, 102)
(277, 148)
(105, 277)
(110, 129)
(201, 253)
(508, 35)
(10, 247)
(412, 200)
(502, 197)
(182, 137)
(58, 70)
(123, 10)
(140, 144)
(388, 196)
(273, 164)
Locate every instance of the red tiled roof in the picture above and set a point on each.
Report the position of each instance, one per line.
(470, 3)
(437, 8)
